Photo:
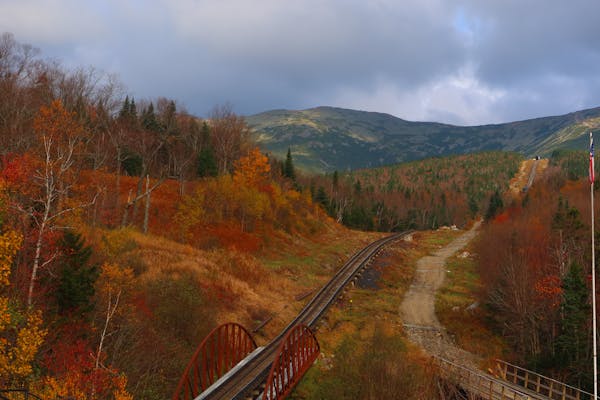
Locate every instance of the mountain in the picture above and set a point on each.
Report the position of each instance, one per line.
(325, 139)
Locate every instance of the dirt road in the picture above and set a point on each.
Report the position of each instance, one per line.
(418, 311)
(522, 178)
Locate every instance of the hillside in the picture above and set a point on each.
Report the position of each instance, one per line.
(325, 139)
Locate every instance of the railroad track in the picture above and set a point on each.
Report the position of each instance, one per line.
(245, 381)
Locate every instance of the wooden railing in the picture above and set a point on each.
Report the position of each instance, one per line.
(482, 385)
(547, 387)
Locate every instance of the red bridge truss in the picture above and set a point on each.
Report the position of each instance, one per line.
(221, 350)
(298, 350)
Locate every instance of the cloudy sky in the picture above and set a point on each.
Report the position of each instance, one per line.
(456, 61)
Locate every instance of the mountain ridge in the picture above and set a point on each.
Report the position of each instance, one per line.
(324, 138)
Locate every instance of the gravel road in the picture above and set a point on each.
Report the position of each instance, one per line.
(418, 311)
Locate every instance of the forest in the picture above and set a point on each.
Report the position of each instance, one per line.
(104, 203)
(534, 257)
(423, 194)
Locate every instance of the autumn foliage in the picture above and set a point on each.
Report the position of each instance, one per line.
(21, 332)
(534, 262)
(422, 194)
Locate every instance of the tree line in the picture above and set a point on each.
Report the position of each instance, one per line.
(423, 194)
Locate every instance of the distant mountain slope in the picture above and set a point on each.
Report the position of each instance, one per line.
(327, 138)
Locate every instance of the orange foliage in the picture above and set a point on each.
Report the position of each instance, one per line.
(252, 170)
(17, 171)
(549, 288)
(73, 375)
(232, 237)
(56, 124)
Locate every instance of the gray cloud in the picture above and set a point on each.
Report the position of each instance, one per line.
(458, 61)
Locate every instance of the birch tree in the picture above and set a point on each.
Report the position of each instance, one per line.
(60, 138)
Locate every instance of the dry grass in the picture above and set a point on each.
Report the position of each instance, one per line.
(453, 300)
(359, 311)
(241, 287)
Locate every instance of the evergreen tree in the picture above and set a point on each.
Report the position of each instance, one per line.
(124, 111)
(207, 163)
(473, 206)
(572, 343)
(321, 197)
(149, 120)
(288, 168)
(131, 163)
(169, 119)
(128, 112)
(335, 180)
(77, 276)
(495, 206)
(132, 110)
(205, 138)
(568, 220)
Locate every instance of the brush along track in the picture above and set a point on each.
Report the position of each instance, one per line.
(243, 382)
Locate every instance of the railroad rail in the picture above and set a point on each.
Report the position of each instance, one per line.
(244, 381)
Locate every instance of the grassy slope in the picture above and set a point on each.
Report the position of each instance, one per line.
(467, 326)
(249, 287)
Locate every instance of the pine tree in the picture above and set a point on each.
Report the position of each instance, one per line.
(205, 138)
(77, 276)
(473, 206)
(207, 163)
(124, 111)
(149, 120)
(495, 206)
(572, 343)
(288, 168)
(131, 163)
(132, 110)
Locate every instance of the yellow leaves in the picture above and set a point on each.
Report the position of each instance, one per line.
(4, 315)
(10, 242)
(20, 355)
(73, 386)
(18, 344)
(62, 389)
(114, 279)
(115, 243)
(191, 212)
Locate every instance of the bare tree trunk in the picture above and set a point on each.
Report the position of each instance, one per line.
(126, 211)
(36, 259)
(118, 183)
(147, 210)
(110, 311)
(138, 194)
(133, 201)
